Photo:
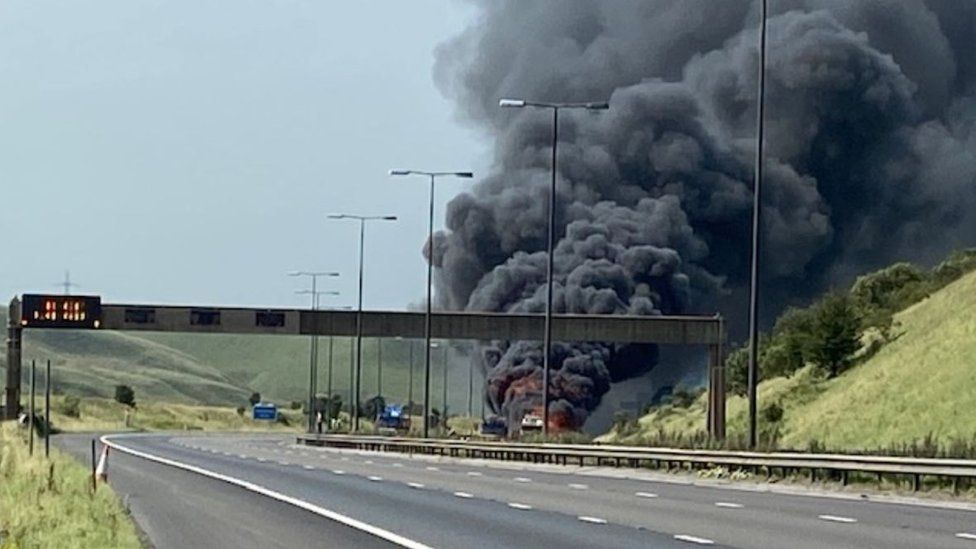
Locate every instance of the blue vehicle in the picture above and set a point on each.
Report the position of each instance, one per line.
(494, 427)
(393, 419)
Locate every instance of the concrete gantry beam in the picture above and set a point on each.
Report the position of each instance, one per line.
(667, 330)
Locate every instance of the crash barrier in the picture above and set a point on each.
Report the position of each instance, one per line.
(833, 465)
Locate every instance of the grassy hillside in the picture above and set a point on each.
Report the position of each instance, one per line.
(103, 414)
(923, 383)
(226, 369)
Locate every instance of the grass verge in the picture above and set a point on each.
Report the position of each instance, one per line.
(49, 502)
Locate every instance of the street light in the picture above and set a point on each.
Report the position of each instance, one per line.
(753, 371)
(547, 337)
(313, 351)
(430, 274)
(359, 310)
(314, 380)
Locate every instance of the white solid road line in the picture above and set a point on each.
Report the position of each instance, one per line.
(520, 506)
(579, 486)
(592, 520)
(464, 495)
(694, 539)
(835, 518)
(522, 479)
(966, 535)
(728, 505)
(250, 486)
(645, 495)
(416, 485)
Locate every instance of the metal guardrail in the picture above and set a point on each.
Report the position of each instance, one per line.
(596, 454)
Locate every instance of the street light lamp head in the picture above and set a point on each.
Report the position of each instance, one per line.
(389, 218)
(400, 172)
(598, 106)
(336, 216)
(512, 103)
(465, 175)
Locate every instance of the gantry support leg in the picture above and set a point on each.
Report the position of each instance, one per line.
(14, 339)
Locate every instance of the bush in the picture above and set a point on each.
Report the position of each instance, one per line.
(70, 406)
(773, 413)
(125, 395)
(241, 410)
(255, 399)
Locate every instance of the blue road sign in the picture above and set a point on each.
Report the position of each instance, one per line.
(267, 412)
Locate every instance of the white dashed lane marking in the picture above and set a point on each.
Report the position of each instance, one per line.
(308, 467)
(579, 486)
(416, 485)
(592, 520)
(728, 505)
(520, 506)
(338, 472)
(966, 535)
(463, 495)
(835, 518)
(374, 478)
(433, 469)
(647, 495)
(474, 474)
(694, 539)
(522, 479)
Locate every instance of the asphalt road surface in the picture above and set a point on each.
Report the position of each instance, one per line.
(441, 502)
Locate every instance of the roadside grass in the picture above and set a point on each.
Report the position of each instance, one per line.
(102, 414)
(49, 503)
(914, 397)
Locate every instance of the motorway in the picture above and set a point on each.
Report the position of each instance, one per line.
(442, 502)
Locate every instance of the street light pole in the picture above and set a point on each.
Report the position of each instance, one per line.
(359, 309)
(313, 351)
(547, 335)
(430, 277)
(753, 372)
(410, 382)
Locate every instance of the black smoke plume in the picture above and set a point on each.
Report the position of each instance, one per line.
(871, 158)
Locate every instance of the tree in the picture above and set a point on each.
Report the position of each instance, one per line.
(335, 406)
(373, 407)
(255, 399)
(835, 335)
(125, 395)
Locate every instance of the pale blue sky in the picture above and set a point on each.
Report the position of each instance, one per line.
(189, 151)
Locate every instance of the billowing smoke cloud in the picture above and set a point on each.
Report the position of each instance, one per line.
(871, 146)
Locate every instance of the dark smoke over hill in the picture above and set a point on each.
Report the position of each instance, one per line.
(871, 158)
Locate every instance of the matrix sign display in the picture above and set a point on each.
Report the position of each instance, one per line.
(60, 311)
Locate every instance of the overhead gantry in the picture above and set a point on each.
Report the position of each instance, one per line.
(88, 312)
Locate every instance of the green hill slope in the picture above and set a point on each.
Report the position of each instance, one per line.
(922, 383)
